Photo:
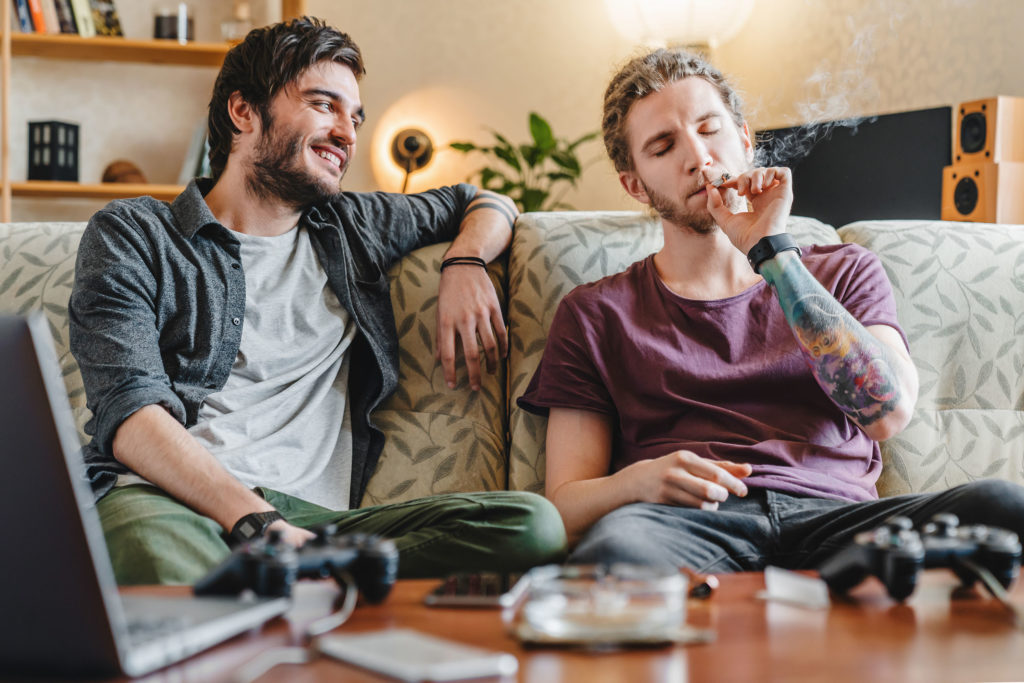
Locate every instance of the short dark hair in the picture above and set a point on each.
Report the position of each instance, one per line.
(265, 62)
(650, 73)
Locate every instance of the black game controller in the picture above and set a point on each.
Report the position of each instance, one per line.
(269, 566)
(895, 553)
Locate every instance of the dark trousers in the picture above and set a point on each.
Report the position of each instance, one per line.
(771, 528)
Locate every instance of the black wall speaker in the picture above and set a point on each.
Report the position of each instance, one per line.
(887, 166)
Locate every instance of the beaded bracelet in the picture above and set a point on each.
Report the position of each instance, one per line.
(463, 261)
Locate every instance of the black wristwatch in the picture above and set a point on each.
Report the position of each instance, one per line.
(768, 247)
(252, 526)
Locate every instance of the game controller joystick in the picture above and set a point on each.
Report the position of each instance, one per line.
(269, 566)
(947, 544)
(893, 553)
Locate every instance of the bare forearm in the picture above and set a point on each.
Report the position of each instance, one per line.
(860, 374)
(582, 503)
(486, 228)
(155, 446)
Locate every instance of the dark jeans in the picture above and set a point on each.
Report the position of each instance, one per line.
(771, 528)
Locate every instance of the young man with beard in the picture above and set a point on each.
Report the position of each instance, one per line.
(235, 342)
(747, 433)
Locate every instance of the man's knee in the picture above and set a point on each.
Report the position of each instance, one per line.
(153, 539)
(623, 535)
(540, 533)
(994, 502)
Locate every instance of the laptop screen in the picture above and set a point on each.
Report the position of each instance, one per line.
(57, 584)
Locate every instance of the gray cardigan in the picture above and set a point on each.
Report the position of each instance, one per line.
(157, 307)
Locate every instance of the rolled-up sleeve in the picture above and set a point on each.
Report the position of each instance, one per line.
(114, 335)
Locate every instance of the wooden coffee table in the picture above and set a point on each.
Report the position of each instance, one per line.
(933, 637)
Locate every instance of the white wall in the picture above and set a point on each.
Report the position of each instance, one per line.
(459, 67)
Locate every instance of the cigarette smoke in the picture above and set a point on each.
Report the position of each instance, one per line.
(833, 89)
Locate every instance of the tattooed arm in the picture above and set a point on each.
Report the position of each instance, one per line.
(866, 371)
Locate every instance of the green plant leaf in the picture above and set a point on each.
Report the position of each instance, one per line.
(532, 155)
(540, 129)
(586, 138)
(568, 161)
(533, 199)
(463, 146)
(508, 155)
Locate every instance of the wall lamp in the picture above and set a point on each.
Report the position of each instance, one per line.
(411, 149)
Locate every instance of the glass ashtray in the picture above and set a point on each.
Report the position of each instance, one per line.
(617, 604)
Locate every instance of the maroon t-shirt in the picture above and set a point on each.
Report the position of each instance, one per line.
(723, 378)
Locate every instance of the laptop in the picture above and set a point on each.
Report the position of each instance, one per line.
(60, 609)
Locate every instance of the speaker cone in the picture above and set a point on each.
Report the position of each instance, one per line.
(972, 133)
(965, 196)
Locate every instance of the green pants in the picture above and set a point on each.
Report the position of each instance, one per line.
(152, 538)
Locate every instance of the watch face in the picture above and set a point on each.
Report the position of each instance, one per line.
(247, 530)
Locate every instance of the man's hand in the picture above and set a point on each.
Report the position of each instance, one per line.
(684, 478)
(467, 306)
(292, 535)
(770, 192)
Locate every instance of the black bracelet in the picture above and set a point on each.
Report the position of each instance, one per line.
(768, 247)
(463, 261)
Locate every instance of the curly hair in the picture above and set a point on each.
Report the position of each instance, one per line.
(265, 62)
(650, 73)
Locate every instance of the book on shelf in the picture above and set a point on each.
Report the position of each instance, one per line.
(104, 17)
(65, 16)
(50, 16)
(83, 18)
(23, 16)
(35, 9)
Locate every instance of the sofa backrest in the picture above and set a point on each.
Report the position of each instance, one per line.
(438, 440)
(960, 297)
(551, 254)
(37, 269)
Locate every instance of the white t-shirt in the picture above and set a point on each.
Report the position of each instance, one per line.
(282, 420)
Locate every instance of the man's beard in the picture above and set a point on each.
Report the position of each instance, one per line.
(672, 211)
(277, 172)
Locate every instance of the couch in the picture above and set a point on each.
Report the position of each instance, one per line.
(959, 290)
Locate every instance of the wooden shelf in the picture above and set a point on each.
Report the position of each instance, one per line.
(58, 188)
(103, 48)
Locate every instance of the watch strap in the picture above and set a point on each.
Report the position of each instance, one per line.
(252, 526)
(768, 247)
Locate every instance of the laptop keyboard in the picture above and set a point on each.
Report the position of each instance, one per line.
(145, 629)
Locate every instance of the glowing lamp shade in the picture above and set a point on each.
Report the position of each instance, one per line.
(681, 22)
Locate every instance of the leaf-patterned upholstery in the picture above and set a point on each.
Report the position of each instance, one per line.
(552, 252)
(37, 270)
(959, 288)
(960, 295)
(438, 440)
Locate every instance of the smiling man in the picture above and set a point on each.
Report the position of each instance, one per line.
(747, 431)
(235, 342)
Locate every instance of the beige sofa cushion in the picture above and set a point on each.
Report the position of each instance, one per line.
(551, 254)
(438, 440)
(960, 296)
(37, 270)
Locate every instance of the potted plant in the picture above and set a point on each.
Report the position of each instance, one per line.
(529, 173)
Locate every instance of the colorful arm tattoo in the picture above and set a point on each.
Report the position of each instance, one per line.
(855, 369)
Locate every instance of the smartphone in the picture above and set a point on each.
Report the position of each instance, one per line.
(411, 655)
(479, 589)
